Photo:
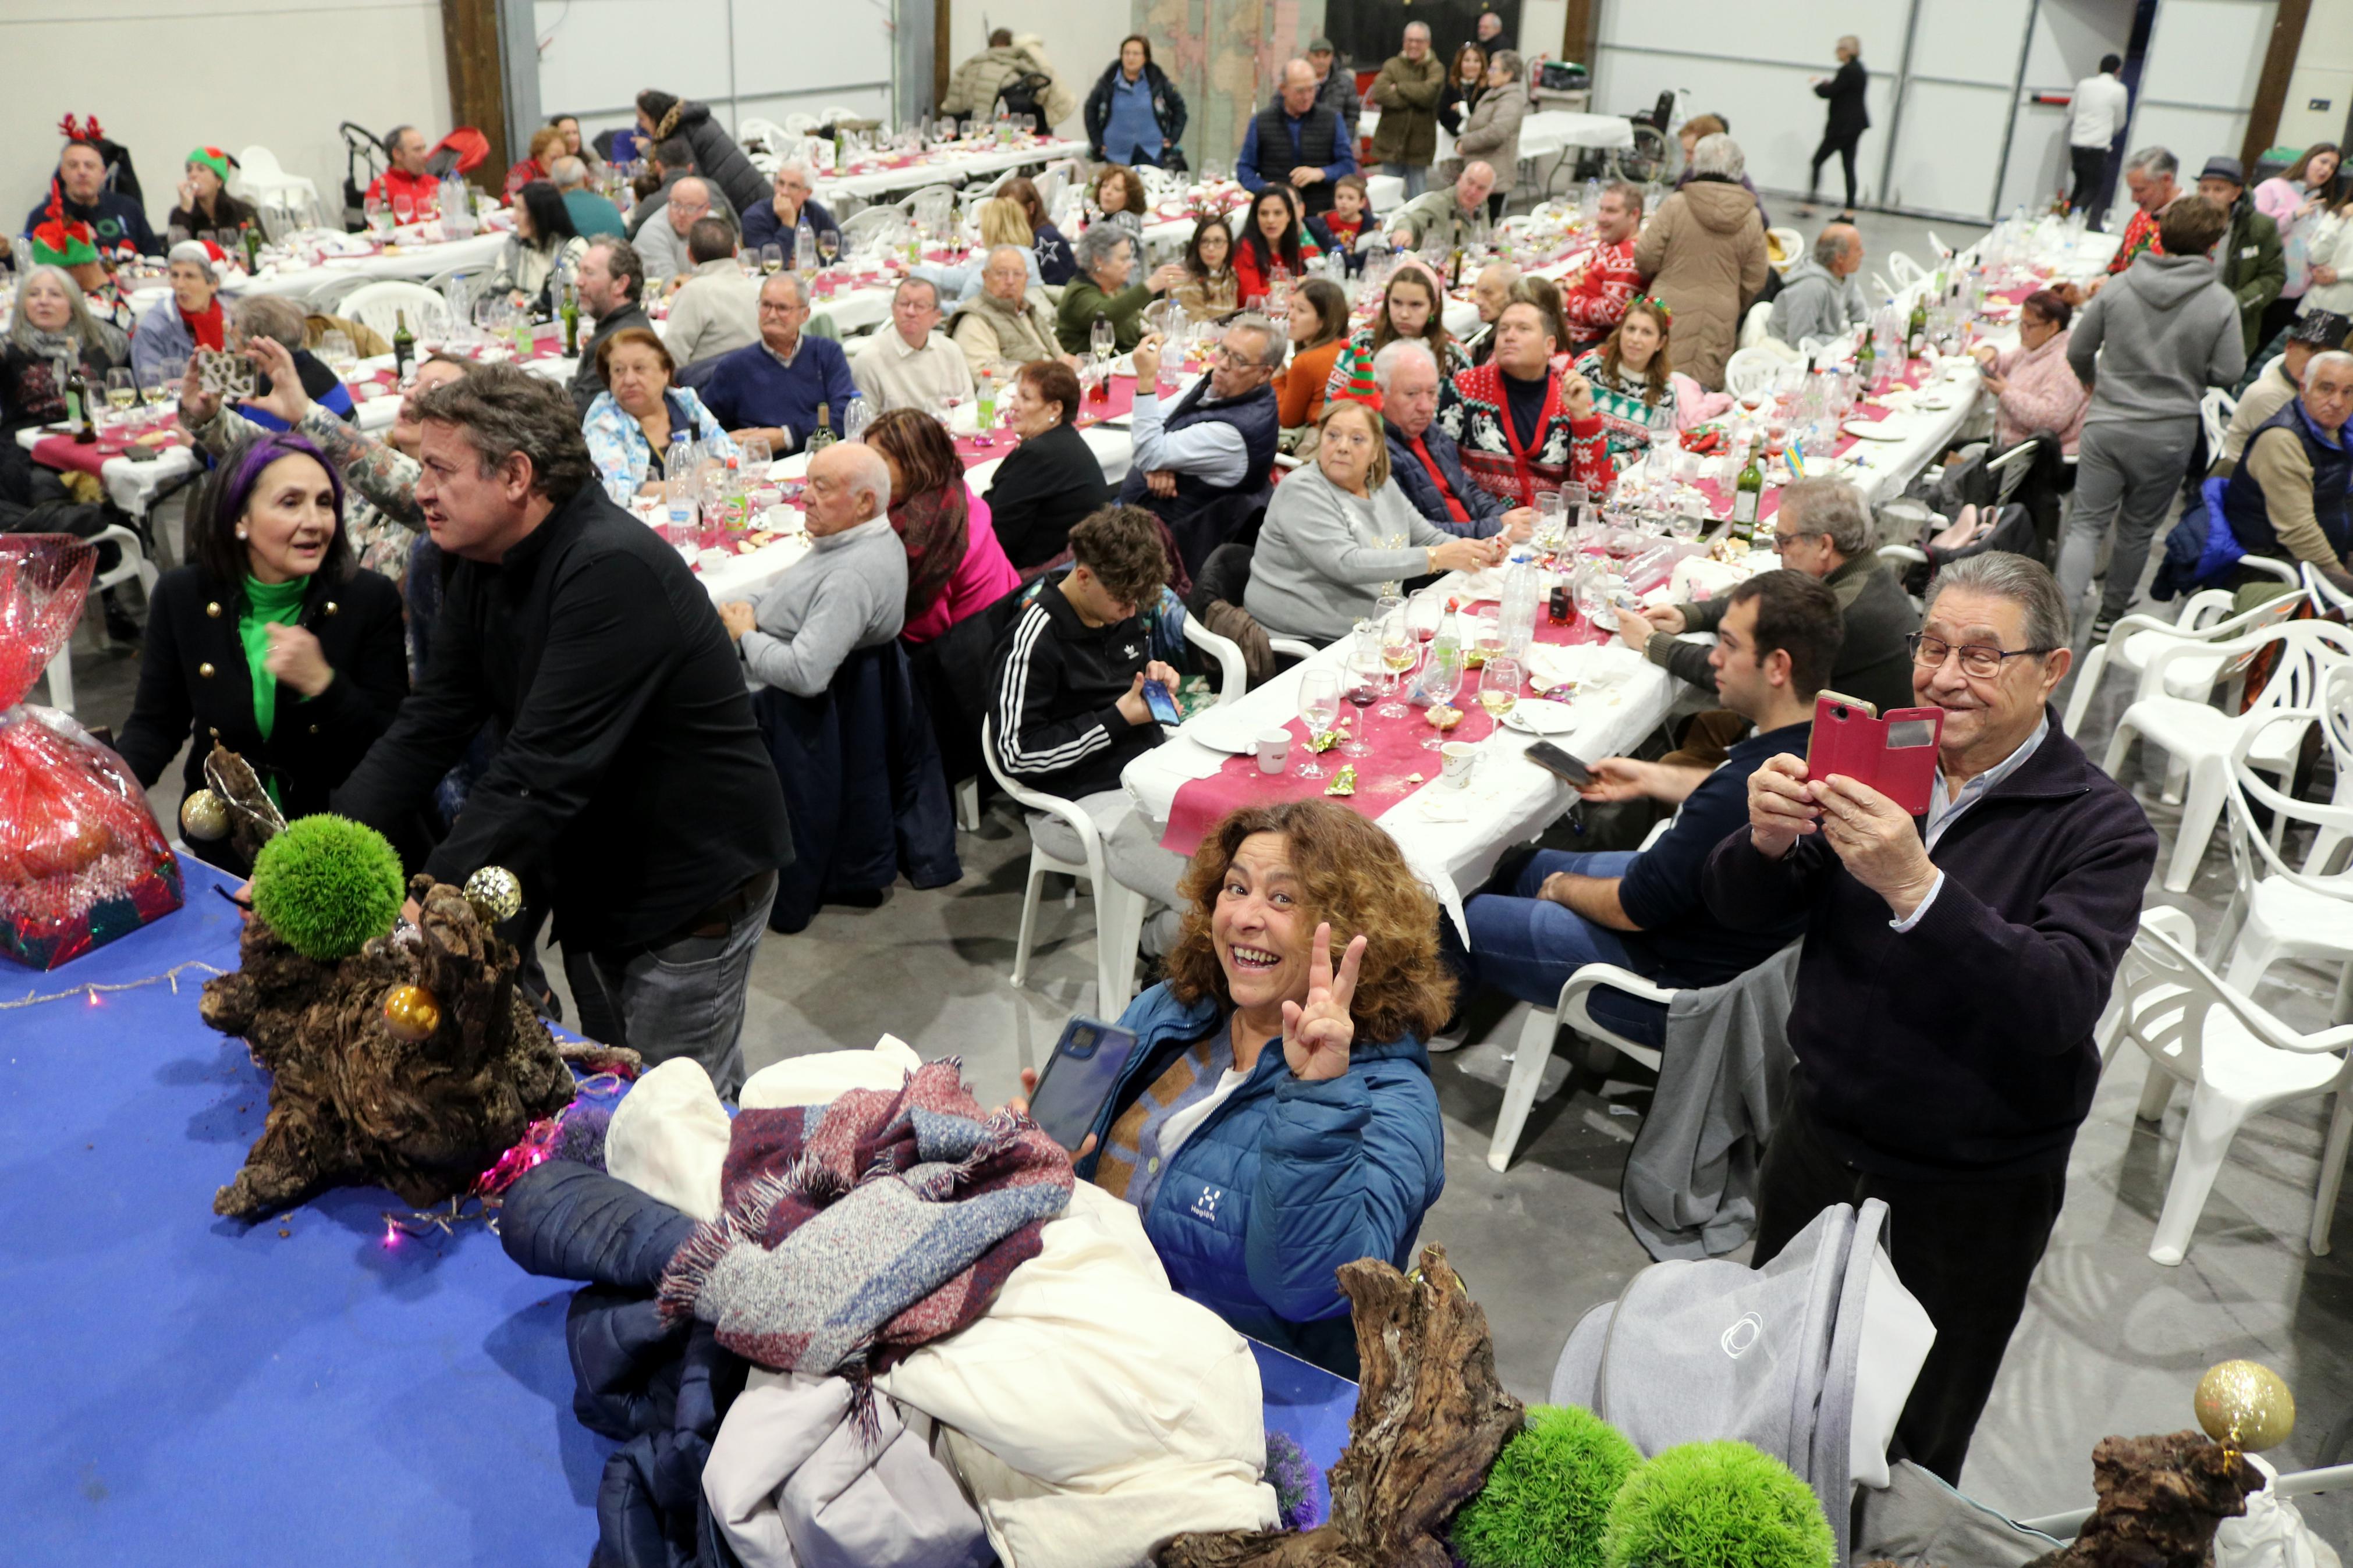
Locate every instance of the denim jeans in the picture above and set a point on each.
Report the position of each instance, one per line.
(1416, 180)
(682, 999)
(1527, 947)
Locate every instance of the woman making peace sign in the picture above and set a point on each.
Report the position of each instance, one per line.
(1277, 1118)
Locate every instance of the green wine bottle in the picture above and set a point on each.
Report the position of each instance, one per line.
(404, 345)
(1916, 332)
(571, 324)
(823, 435)
(1749, 494)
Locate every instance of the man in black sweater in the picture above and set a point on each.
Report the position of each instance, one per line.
(1824, 530)
(1069, 709)
(1952, 972)
(632, 790)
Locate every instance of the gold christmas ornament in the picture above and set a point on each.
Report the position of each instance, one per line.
(495, 894)
(411, 1012)
(2245, 1404)
(202, 815)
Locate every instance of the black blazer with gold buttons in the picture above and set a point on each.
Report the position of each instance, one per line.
(194, 683)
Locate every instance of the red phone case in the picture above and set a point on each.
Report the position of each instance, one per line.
(1891, 752)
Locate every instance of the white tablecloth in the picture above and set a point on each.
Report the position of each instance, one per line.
(952, 168)
(1543, 135)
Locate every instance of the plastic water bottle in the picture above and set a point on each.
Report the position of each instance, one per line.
(1521, 593)
(805, 249)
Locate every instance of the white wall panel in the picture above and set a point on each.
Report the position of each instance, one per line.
(1791, 32)
(163, 78)
(1774, 115)
(2207, 52)
(1979, 41)
(741, 57)
(1950, 147)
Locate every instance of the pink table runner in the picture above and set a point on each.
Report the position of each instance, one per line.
(1719, 497)
(972, 453)
(1381, 778)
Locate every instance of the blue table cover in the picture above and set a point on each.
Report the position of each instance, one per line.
(183, 1388)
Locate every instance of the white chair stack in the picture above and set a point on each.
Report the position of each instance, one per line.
(2202, 739)
(2137, 638)
(379, 306)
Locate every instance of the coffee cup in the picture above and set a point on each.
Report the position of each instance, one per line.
(1459, 757)
(1273, 750)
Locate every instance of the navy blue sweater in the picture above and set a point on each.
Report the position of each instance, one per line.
(1961, 1048)
(751, 389)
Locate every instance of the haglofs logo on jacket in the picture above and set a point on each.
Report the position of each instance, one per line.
(1744, 1332)
(1130, 650)
(1206, 1205)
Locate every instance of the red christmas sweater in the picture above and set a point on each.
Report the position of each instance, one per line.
(1597, 304)
(2140, 235)
(1565, 450)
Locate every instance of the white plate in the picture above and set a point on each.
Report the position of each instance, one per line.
(1218, 730)
(1863, 431)
(1541, 716)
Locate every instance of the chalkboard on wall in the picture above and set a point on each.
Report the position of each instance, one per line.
(1370, 31)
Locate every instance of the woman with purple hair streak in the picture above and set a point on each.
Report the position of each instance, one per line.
(272, 640)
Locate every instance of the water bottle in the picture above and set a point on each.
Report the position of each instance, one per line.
(679, 491)
(804, 248)
(1521, 593)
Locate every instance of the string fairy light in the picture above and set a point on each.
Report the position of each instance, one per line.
(92, 989)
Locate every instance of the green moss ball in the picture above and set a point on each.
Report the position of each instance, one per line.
(1716, 1505)
(1548, 1496)
(327, 884)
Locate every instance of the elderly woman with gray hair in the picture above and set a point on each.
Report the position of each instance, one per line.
(1704, 257)
(52, 326)
(167, 335)
(1491, 130)
(1107, 258)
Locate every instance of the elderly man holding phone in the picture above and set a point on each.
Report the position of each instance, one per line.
(2023, 880)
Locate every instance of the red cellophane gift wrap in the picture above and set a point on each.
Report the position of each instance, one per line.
(82, 859)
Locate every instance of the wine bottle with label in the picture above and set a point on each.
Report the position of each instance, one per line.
(1916, 331)
(78, 398)
(822, 437)
(1749, 494)
(571, 322)
(404, 345)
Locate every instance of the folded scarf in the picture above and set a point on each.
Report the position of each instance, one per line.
(210, 328)
(854, 1232)
(936, 527)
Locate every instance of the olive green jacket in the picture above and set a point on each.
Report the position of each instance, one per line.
(1407, 94)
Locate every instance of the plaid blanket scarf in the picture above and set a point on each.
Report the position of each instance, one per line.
(853, 1232)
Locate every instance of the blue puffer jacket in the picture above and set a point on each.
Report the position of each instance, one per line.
(1286, 1180)
(1486, 511)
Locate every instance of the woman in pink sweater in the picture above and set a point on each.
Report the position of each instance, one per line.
(2032, 386)
(954, 564)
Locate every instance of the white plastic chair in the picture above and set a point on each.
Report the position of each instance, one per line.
(133, 564)
(860, 226)
(259, 174)
(1792, 244)
(1119, 911)
(2284, 911)
(2197, 1028)
(378, 305)
(1536, 1038)
(800, 122)
(2205, 740)
(1903, 269)
(1752, 370)
(1752, 325)
(2328, 599)
(2137, 638)
(1233, 670)
(2216, 408)
(755, 133)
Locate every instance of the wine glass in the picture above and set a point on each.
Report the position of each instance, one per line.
(757, 455)
(404, 211)
(1319, 704)
(1441, 678)
(1400, 650)
(1499, 682)
(829, 244)
(122, 393)
(1363, 688)
(1101, 338)
(772, 258)
(153, 388)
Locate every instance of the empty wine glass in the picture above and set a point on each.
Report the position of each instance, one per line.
(1319, 704)
(1362, 688)
(1441, 678)
(404, 211)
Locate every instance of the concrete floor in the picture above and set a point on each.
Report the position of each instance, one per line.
(2111, 1343)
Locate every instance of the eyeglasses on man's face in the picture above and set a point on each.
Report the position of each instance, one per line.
(1977, 660)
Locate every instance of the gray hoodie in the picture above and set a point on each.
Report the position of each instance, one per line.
(2160, 333)
(1814, 303)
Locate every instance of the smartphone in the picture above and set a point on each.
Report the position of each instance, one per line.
(1162, 701)
(1079, 1078)
(1895, 754)
(1551, 758)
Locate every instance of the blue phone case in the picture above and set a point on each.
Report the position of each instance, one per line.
(1079, 1078)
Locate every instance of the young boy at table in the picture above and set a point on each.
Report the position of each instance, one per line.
(1350, 218)
(1067, 703)
(1643, 910)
